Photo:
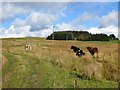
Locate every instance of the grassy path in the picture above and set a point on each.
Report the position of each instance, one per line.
(27, 71)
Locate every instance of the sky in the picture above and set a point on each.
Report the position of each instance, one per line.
(36, 19)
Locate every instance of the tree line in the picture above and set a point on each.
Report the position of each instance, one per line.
(81, 35)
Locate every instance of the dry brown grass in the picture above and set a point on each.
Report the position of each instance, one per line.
(59, 53)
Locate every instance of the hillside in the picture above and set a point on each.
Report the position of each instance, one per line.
(52, 64)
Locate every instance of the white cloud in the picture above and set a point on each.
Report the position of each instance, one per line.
(1, 30)
(68, 27)
(64, 27)
(37, 24)
(83, 18)
(21, 28)
(19, 22)
(40, 17)
(43, 33)
(109, 19)
(107, 30)
(17, 32)
(9, 10)
(24, 32)
(39, 21)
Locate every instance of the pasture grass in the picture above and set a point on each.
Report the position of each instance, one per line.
(52, 64)
(22, 38)
(104, 42)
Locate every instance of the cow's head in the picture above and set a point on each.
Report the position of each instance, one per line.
(88, 48)
(72, 47)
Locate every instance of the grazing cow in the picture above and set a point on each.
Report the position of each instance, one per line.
(93, 50)
(75, 49)
(78, 51)
(27, 47)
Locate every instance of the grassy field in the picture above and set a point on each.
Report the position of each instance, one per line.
(52, 64)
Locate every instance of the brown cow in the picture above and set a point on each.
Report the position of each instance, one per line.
(93, 50)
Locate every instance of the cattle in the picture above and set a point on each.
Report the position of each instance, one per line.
(27, 47)
(92, 50)
(75, 49)
(78, 51)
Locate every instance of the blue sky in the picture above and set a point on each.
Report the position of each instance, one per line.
(23, 19)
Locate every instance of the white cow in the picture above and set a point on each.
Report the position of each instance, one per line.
(27, 47)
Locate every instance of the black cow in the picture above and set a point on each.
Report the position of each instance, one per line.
(78, 51)
(75, 49)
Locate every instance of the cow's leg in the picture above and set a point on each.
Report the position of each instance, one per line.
(97, 55)
(29, 47)
(79, 55)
